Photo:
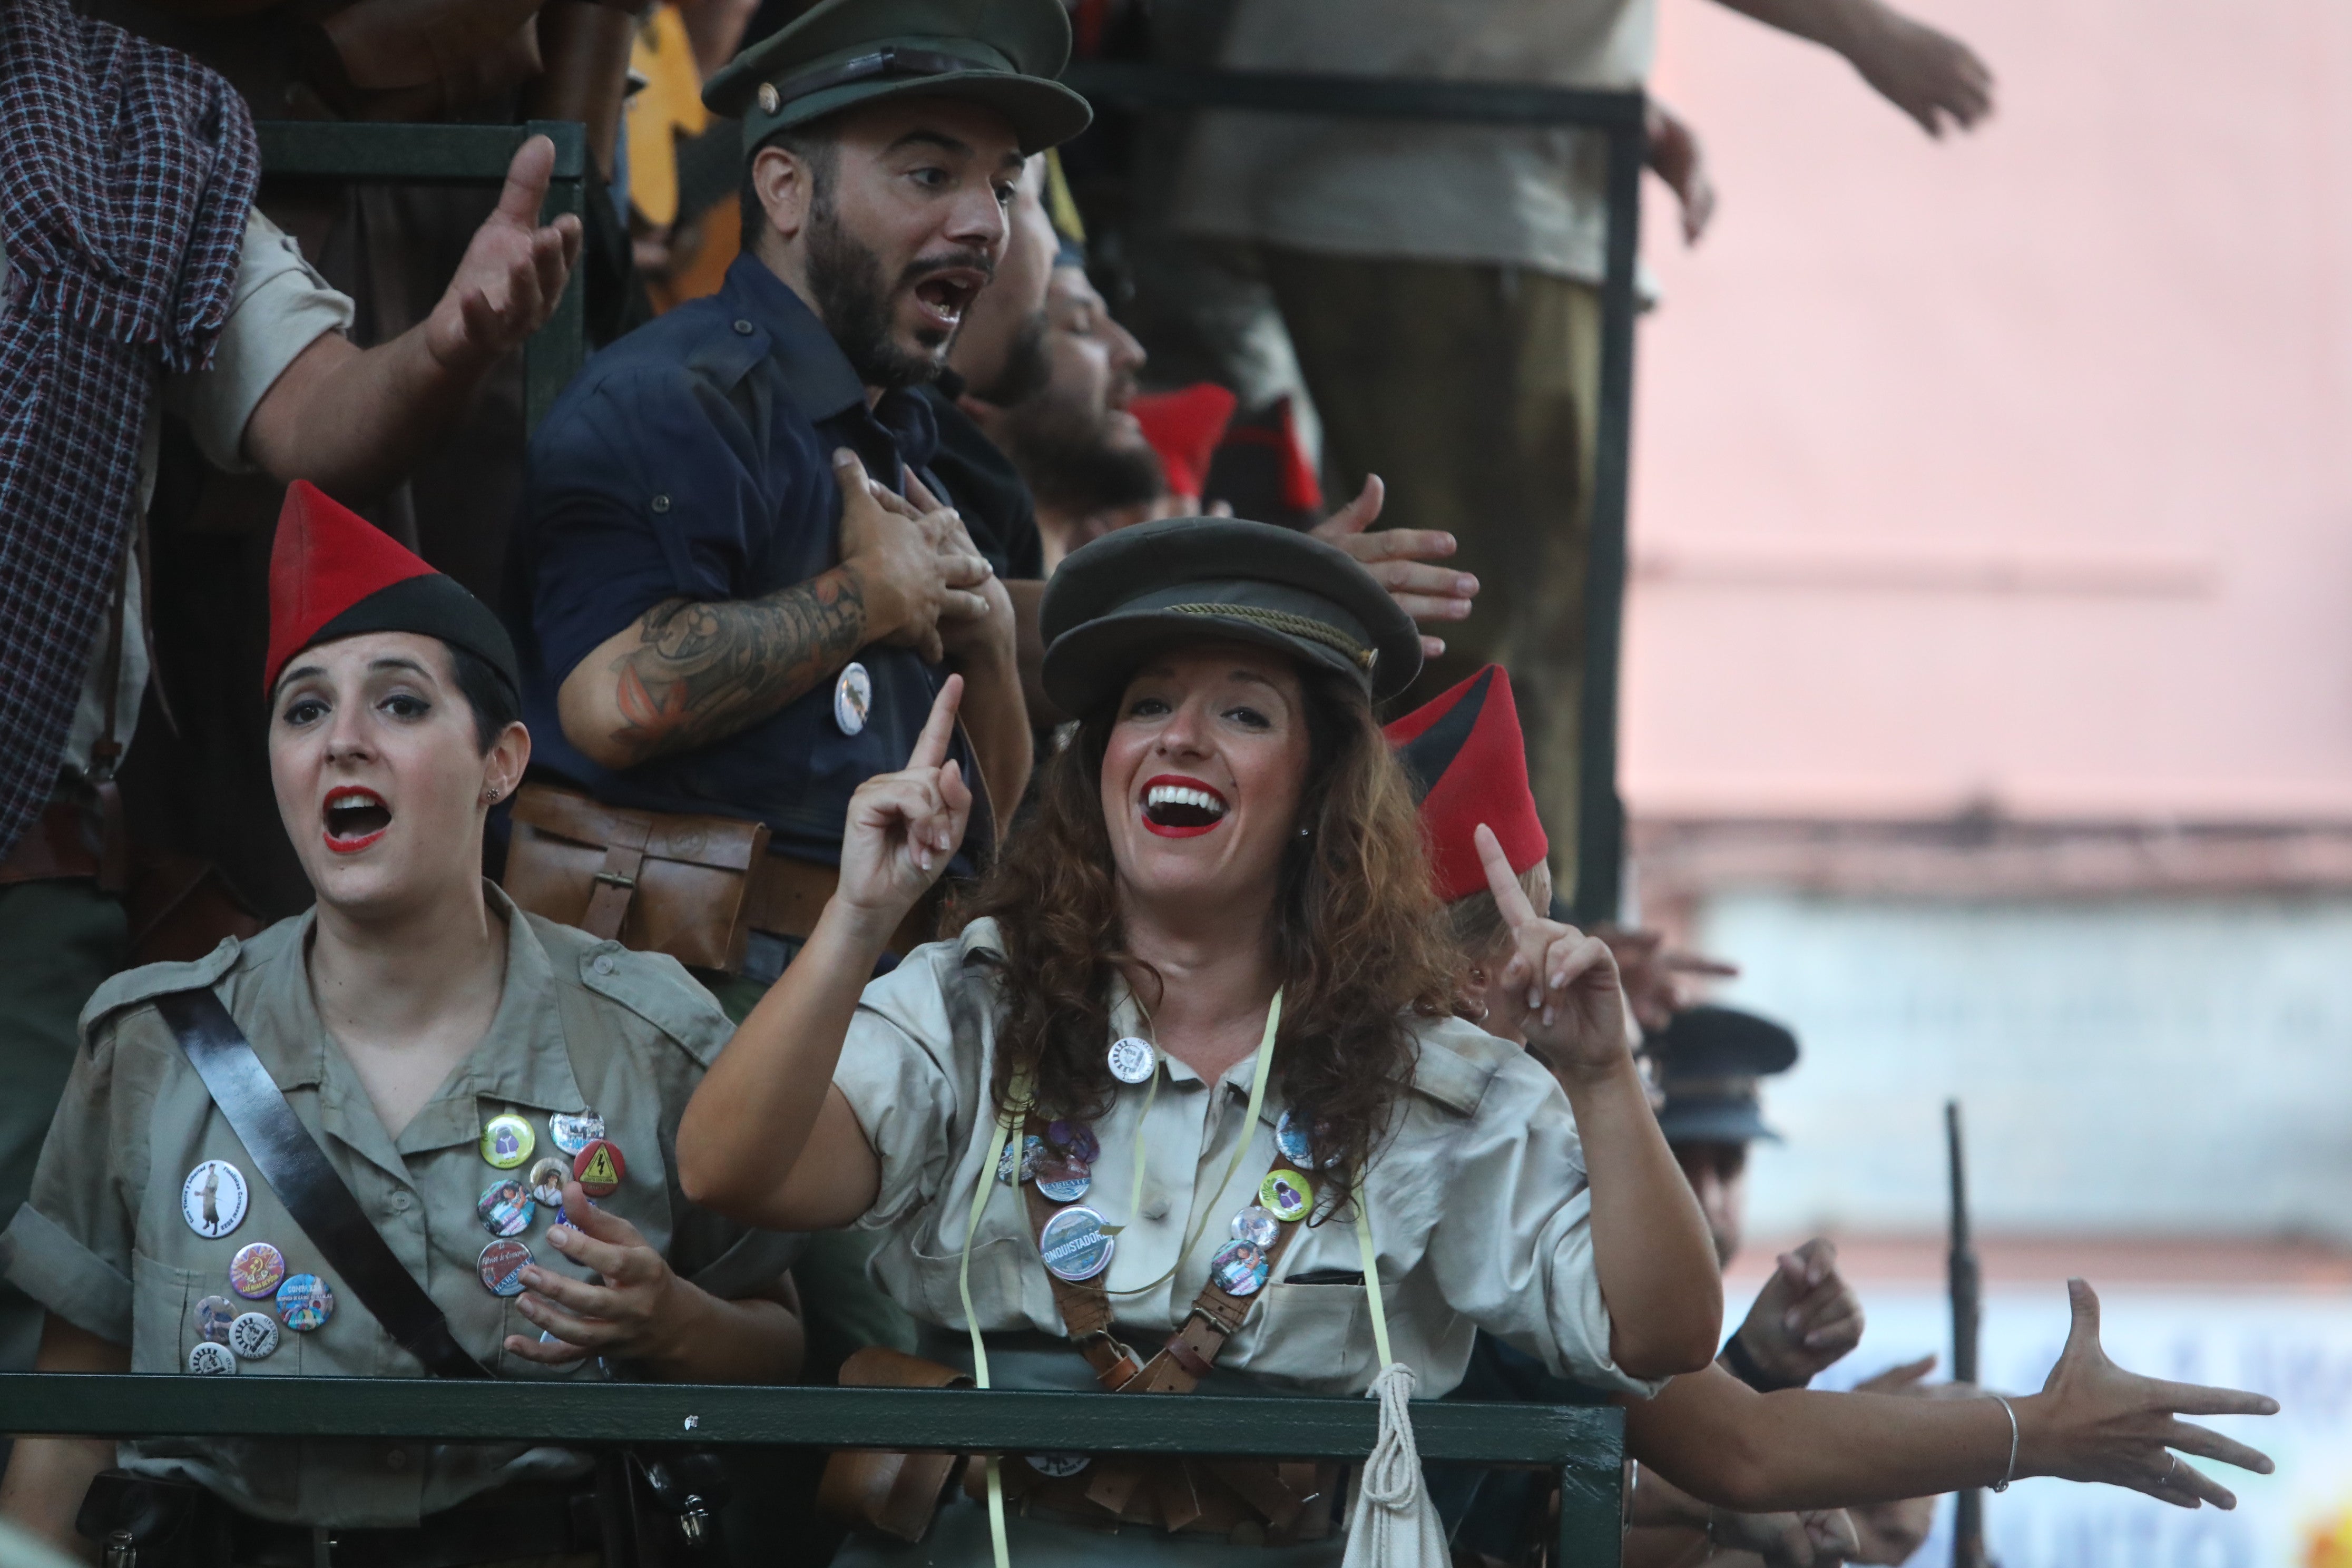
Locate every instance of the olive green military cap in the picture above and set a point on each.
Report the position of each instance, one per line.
(1217, 579)
(1001, 52)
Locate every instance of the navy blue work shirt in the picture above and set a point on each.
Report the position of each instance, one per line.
(693, 459)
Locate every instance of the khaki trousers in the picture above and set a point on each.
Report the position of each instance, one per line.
(1474, 392)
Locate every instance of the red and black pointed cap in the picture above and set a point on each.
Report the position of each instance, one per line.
(334, 574)
(1468, 763)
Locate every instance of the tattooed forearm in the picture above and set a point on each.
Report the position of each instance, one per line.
(700, 672)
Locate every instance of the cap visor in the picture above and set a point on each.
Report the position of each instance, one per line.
(1092, 662)
(1041, 113)
(1719, 1123)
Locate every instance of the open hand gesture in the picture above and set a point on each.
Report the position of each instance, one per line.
(1559, 990)
(512, 274)
(1397, 558)
(904, 827)
(2093, 1420)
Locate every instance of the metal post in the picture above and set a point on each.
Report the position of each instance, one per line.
(1592, 1506)
(1966, 1288)
(1600, 814)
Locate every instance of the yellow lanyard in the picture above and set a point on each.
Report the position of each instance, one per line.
(1005, 1121)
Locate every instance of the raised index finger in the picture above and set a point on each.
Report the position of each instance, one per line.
(931, 745)
(1509, 897)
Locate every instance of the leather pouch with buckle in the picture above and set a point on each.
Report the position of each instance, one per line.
(653, 880)
(145, 1522)
(893, 1493)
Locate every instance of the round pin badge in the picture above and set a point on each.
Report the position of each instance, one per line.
(1074, 1246)
(212, 1199)
(501, 1268)
(1064, 1178)
(1291, 1138)
(574, 1133)
(304, 1302)
(253, 1336)
(1132, 1059)
(256, 1270)
(207, 1358)
(506, 1207)
(506, 1141)
(1287, 1194)
(1257, 1226)
(853, 699)
(598, 1168)
(1060, 1466)
(1021, 1161)
(547, 1179)
(1239, 1268)
(1077, 1139)
(214, 1315)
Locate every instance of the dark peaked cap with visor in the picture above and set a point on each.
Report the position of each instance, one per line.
(1709, 1060)
(1217, 579)
(1001, 52)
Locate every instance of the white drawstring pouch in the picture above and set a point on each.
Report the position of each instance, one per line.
(1394, 1524)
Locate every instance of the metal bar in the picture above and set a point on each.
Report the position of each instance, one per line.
(1967, 1285)
(585, 1413)
(1591, 1505)
(555, 352)
(435, 154)
(1600, 814)
(1359, 97)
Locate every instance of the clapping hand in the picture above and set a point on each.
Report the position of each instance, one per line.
(512, 274)
(1559, 989)
(904, 827)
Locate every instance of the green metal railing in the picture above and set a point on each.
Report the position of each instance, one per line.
(1579, 1443)
(455, 156)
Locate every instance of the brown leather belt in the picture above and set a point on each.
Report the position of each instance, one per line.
(787, 895)
(63, 841)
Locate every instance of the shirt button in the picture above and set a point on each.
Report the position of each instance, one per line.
(396, 1458)
(604, 964)
(1155, 1207)
(661, 503)
(743, 327)
(401, 1200)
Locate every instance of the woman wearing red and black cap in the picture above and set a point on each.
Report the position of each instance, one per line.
(495, 1096)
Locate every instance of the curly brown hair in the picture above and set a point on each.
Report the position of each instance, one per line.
(1361, 941)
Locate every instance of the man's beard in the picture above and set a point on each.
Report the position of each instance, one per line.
(1027, 366)
(1073, 457)
(847, 278)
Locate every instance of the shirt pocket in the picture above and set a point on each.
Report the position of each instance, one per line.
(163, 1326)
(1315, 1337)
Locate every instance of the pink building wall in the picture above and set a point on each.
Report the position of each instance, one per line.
(2016, 471)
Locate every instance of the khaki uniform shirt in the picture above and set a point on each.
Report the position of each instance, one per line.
(582, 1024)
(1480, 1211)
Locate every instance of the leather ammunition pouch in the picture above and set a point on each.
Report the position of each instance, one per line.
(874, 1488)
(652, 880)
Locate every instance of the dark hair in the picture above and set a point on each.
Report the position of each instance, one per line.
(495, 703)
(1361, 943)
(817, 144)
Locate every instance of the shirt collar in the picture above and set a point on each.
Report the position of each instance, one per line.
(817, 372)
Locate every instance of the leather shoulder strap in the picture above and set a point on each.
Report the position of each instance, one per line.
(297, 1170)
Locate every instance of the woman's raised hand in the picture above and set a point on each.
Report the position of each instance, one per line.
(904, 827)
(1559, 991)
(2093, 1420)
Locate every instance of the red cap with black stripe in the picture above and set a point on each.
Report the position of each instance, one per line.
(1468, 762)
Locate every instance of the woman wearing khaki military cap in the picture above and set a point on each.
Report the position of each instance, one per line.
(1208, 980)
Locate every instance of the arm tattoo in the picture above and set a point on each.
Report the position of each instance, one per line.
(703, 672)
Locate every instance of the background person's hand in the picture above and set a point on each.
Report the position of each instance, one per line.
(909, 568)
(1805, 1319)
(1559, 989)
(1660, 981)
(903, 827)
(1677, 157)
(638, 1313)
(1817, 1538)
(1397, 558)
(1927, 74)
(2093, 1420)
(512, 273)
